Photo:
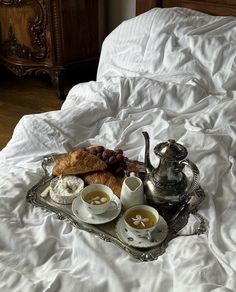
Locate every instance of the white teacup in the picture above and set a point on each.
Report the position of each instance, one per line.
(141, 220)
(98, 198)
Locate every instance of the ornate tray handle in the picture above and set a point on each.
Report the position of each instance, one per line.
(47, 160)
(38, 195)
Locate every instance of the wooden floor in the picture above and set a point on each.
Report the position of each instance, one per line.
(24, 95)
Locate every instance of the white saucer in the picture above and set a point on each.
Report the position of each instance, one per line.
(126, 236)
(80, 211)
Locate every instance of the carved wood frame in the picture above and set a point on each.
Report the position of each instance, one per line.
(36, 28)
(46, 55)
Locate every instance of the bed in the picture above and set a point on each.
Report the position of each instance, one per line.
(170, 72)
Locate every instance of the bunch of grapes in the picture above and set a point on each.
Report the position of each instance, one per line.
(114, 159)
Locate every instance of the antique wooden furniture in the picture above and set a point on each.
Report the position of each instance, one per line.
(213, 7)
(49, 36)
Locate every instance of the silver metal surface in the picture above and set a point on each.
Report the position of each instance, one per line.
(168, 185)
(39, 197)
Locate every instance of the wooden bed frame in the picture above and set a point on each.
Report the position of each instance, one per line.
(213, 7)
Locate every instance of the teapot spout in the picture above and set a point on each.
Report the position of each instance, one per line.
(149, 168)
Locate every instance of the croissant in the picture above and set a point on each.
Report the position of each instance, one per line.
(105, 178)
(78, 162)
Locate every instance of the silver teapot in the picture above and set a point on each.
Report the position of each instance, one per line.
(167, 185)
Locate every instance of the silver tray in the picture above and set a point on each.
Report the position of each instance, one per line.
(38, 196)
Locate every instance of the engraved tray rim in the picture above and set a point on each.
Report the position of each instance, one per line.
(65, 213)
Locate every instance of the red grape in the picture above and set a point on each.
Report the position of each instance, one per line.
(112, 160)
(120, 157)
(106, 154)
(92, 150)
(100, 149)
(119, 151)
(119, 171)
(99, 155)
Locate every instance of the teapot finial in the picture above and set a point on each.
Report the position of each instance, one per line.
(148, 166)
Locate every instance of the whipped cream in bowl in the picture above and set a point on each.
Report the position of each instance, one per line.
(64, 189)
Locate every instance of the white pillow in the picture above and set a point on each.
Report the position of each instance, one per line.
(173, 44)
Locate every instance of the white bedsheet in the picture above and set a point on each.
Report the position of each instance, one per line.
(170, 72)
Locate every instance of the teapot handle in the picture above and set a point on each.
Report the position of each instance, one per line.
(194, 183)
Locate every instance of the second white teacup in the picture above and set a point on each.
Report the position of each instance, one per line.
(98, 198)
(141, 220)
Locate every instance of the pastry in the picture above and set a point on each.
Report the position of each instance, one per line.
(105, 178)
(78, 162)
(64, 189)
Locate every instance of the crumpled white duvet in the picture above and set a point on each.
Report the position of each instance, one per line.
(158, 73)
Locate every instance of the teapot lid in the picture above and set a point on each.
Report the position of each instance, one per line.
(171, 150)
